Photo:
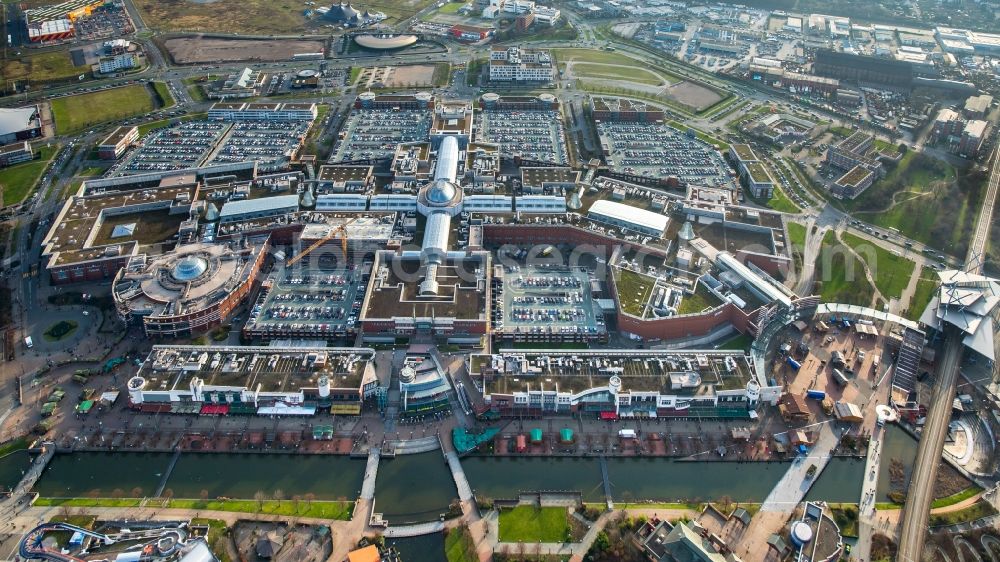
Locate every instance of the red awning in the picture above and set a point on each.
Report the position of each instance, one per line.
(215, 409)
(609, 416)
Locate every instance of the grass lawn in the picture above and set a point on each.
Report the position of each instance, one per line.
(975, 511)
(527, 523)
(73, 114)
(697, 301)
(633, 290)
(254, 17)
(956, 498)
(703, 136)
(451, 8)
(340, 511)
(82, 521)
(60, 330)
(629, 74)
(781, 203)
(15, 445)
(840, 277)
(216, 530)
(738, 343)
(51, 66)
(847, 519)
(796, 235)
(891, 272)
(89, 502)
(926, 287)
(166, 100)
(19, 180)
(925, 199)
(459, 546)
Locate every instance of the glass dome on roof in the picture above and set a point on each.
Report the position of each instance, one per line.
(190, 268)
(441, 192)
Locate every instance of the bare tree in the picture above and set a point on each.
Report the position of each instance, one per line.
(137, 492)
(203, 494)
(279, 495)
(295, 502)
(309, 499)
(168, 494)
(259, 496)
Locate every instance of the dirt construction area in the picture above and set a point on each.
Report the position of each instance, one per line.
(693, 95)
(199, 50)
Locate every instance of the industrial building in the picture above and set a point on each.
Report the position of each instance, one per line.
(859, 68)
(267, 381)
(56, 22)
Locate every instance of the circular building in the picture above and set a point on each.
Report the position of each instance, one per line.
(188, 290)
(384, 42)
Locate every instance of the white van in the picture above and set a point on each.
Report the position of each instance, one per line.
(28, 343)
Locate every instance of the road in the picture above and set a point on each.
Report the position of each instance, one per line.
(919, 497)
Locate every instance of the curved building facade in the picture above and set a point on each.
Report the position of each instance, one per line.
(189, 290)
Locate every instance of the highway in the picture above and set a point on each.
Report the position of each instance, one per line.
(919, 497)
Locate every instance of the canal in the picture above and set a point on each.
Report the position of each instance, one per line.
(12, 467)
(412, 488)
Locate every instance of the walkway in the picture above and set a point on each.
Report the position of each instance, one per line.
(402, 531)
(461, 483)
(866, 510)
(415, 446)
(792, 487)
(371, 471)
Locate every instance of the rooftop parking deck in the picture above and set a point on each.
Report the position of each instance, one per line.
(374, 134)
(551, 300)
(317, 304)
(534, 135)
(655, 150)
(274, 370)
(676, 373)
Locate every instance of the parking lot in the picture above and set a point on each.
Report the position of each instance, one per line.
(110, 20)
(184, 145)
(550, 299)
(293, 304)
(655, 150)
(534, 135)
(196, 143)
(271, 144)
(371, 134)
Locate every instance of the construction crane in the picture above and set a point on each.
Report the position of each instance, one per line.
(340, 231)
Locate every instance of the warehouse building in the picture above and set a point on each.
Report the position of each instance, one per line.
(858, 68)
(621, 109)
